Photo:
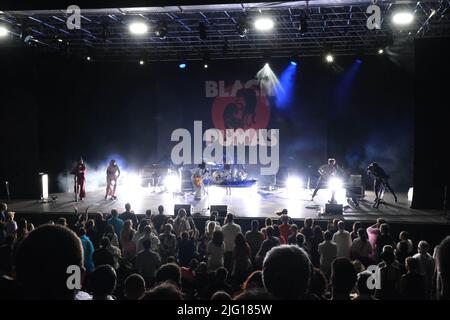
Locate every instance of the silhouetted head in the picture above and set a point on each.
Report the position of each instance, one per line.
(343, 276)
(286, 272)
(103, 281)
(43, 259)
(164, 291)
(134, 287)
(169, 272)
(443, 269)
(255, 225)
(221, 296)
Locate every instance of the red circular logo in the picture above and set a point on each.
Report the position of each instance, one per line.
(246, 109)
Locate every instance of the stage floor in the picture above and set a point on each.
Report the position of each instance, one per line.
(243, 202)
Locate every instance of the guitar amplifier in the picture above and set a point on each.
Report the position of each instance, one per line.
(355, 180)
(334, 208)
(186, 180)
(186, 207)
(222, 210)
(355, 192)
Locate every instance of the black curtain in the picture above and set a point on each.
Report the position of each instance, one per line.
(431, 164)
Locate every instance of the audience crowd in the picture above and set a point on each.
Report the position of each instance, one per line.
(160, 257)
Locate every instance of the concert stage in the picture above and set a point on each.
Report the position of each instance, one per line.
(243, 202)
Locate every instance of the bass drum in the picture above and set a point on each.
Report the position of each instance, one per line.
(240, 175)
(219, 177)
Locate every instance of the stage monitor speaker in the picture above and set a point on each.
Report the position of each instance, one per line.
(186, 180)
(222, 210)
(333, 208)
(355, 191)
(355, 180)
(186, 207)
(282, 177)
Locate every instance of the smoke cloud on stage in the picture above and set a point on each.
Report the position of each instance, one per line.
(96, 175)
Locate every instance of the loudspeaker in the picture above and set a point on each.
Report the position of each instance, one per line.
(355, 191)
(333, 208)
(186, 207)
(221, 209)
(186, 180)
(355, 180)
(282, 177)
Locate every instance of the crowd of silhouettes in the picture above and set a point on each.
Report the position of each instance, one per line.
(165, 257)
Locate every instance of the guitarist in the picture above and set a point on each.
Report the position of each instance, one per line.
(197, 180)
(326, 172)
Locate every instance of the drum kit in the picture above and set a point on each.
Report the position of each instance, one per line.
(219, 174)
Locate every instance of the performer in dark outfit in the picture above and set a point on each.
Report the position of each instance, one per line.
(381, 183)
(79, 172)
(112, 174)
(326, 172)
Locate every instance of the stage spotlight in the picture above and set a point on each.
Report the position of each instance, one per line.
(44, 183)
(294, 184)
(402, 18)
(105, 29)
(182, 65)
(138, 28)
(329, 58)
(264, 24)
(202, 31)
(293, 63)
(380, 51)
(132, 182)
(205, 66)
(172, 183)
(88, 58)
(335, 184)
(161, 31)
(242, 28)
(303, 25)
(3, 32)
(141, 62)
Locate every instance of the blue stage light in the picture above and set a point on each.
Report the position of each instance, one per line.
(284, 91)
(344, 87)
(182, 65)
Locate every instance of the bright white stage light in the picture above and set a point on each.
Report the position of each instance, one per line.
(264, 24)
(3, 32)
(138, 28)
(141, 62)
(402, 18)
(380, 51)
(329, 58)
(44, 179)
(172, 183)
(294, 184)
(132, 181)
(335, 184)
(410, 194)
